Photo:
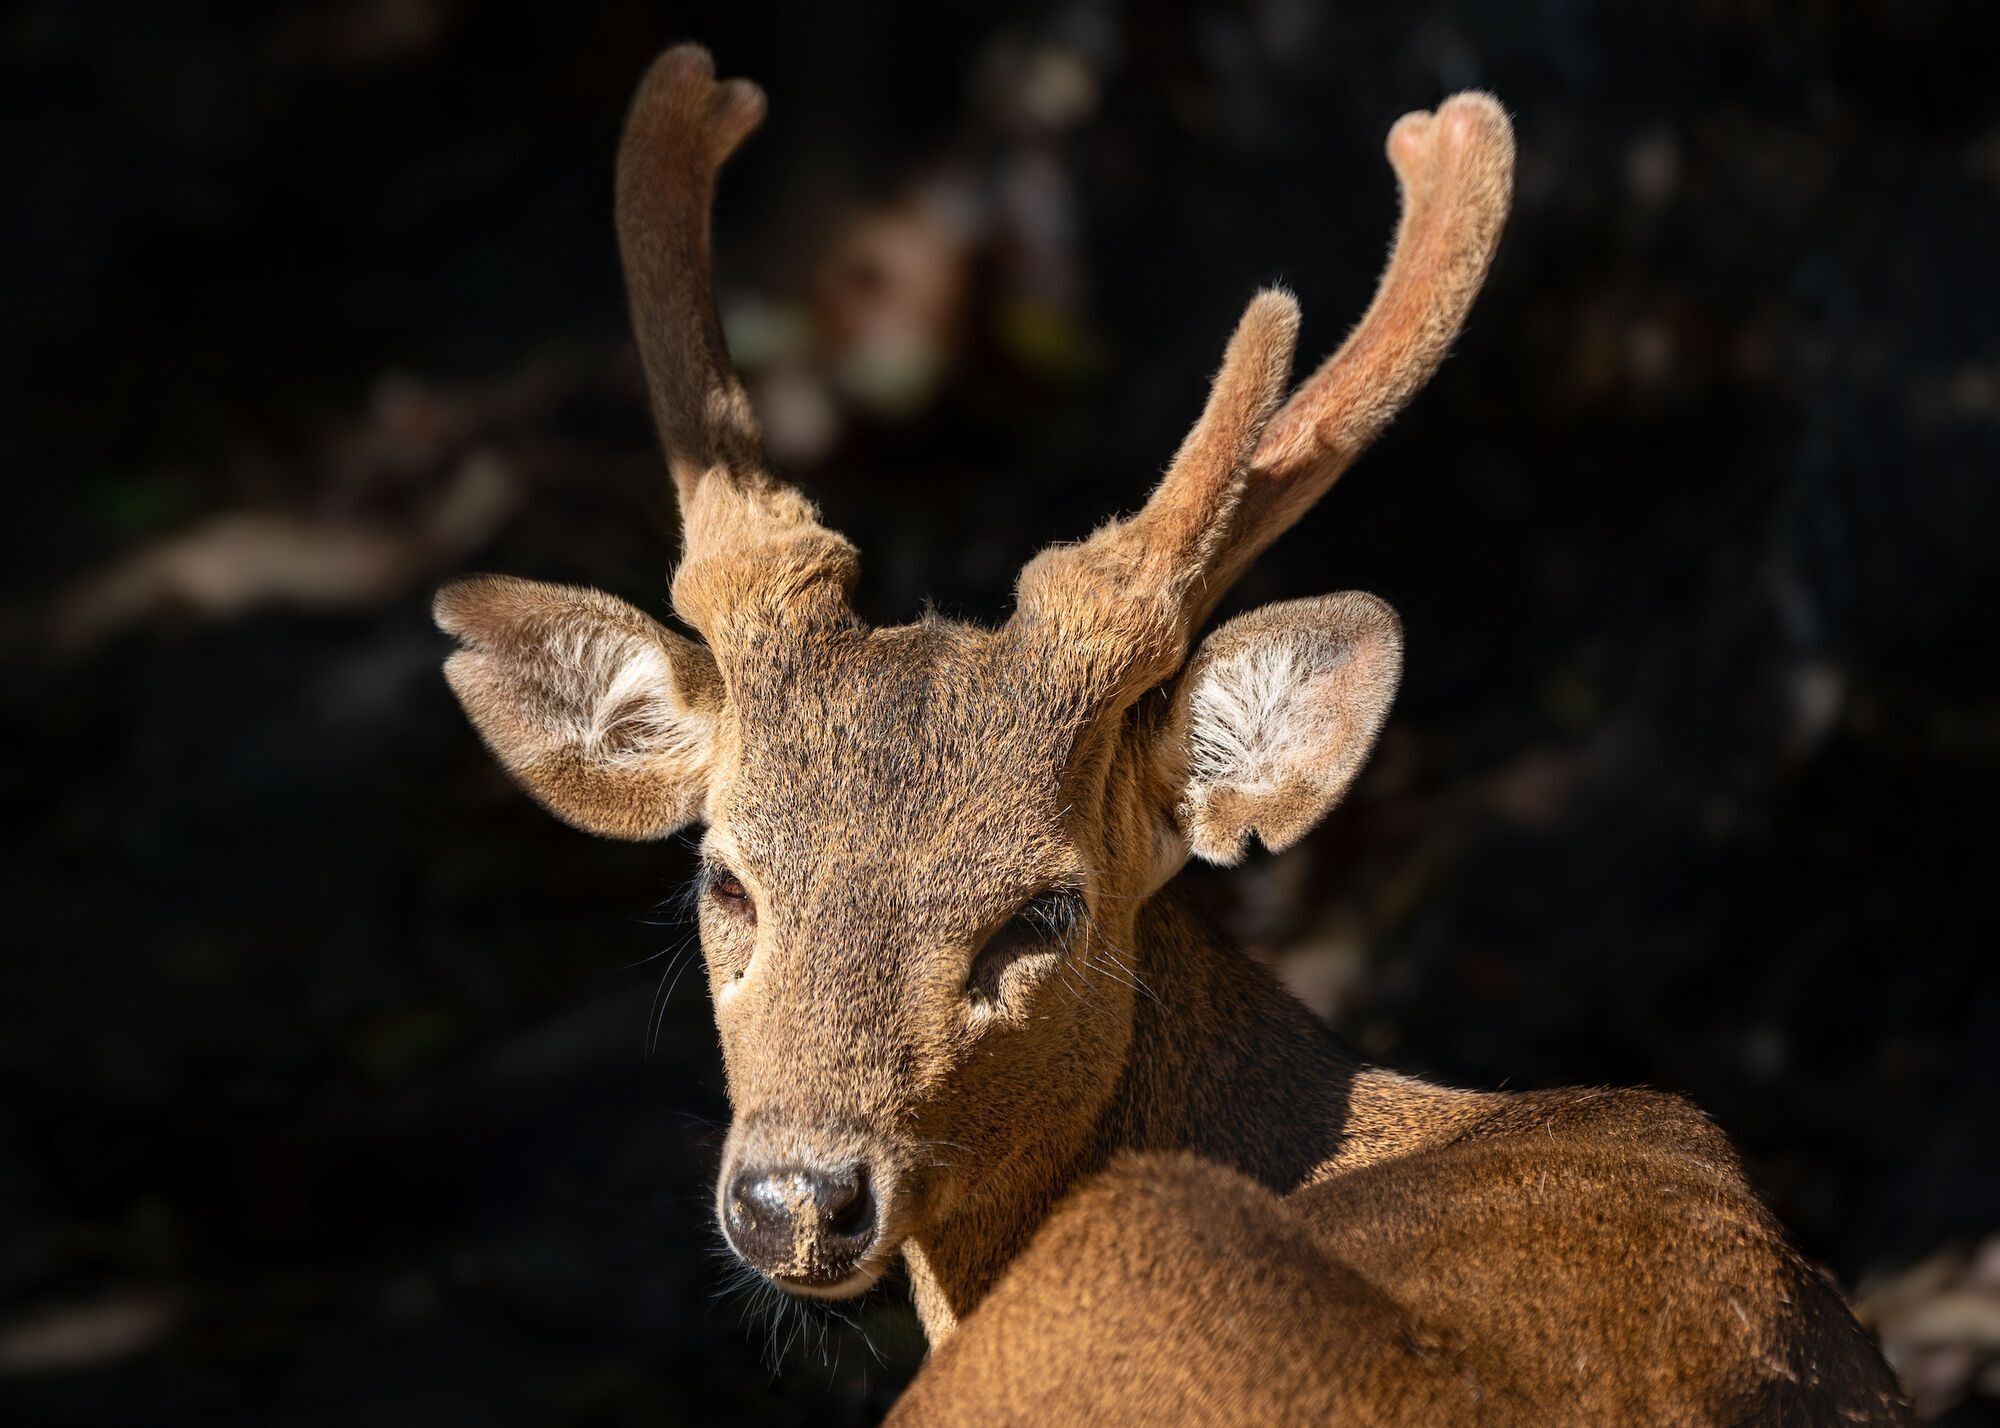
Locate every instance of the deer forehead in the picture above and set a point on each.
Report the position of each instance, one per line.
(928, 751)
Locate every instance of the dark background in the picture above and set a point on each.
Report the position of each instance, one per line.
(326, 1091)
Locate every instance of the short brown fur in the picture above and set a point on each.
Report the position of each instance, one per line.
(968, 1027)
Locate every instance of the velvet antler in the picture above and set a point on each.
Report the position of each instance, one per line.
(753, 548)
(1136, 591)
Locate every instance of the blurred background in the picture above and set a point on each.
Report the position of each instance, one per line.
(328, 1094)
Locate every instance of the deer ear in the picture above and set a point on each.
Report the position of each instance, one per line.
(604, 715)
(1274, 716)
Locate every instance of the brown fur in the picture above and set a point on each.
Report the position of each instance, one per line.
(1560, 1257)
(1125, 1171)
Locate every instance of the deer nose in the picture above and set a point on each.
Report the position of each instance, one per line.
(803, 1226)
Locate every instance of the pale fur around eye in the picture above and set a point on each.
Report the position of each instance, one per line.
(1044, 923)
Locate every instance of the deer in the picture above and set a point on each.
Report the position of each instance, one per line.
(971, 1027)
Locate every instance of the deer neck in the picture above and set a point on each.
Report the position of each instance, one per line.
(1222, 1062)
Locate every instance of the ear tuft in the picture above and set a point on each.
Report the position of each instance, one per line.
(605, 716)
(1275, 716)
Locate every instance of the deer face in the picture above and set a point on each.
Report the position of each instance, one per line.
(926, 846)
(898, 919)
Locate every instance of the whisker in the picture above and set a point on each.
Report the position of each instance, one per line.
(675, 969)
(680, 946)
(1118, 970)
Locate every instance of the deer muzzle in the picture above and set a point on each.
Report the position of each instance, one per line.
(807, 1226)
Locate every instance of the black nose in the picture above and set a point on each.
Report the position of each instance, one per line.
(800, 1224)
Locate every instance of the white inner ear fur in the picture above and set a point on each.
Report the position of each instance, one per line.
(611, 697)
(1245, 724)
(1274, 718)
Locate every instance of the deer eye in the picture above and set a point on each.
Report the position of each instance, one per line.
(1041, 924)
(726, 890)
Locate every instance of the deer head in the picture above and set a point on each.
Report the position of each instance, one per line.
(925, 846)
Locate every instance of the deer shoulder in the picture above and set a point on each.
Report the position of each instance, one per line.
(1571, 1257)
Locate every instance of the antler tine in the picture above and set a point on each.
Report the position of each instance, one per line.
(682, 126)
(1142, 586)
(748, 539)
(1456, 172)
(1126, 596)
(1186, 515)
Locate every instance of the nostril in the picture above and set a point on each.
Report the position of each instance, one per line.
(849, 1207)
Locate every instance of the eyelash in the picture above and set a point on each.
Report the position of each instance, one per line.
(1044, 921)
